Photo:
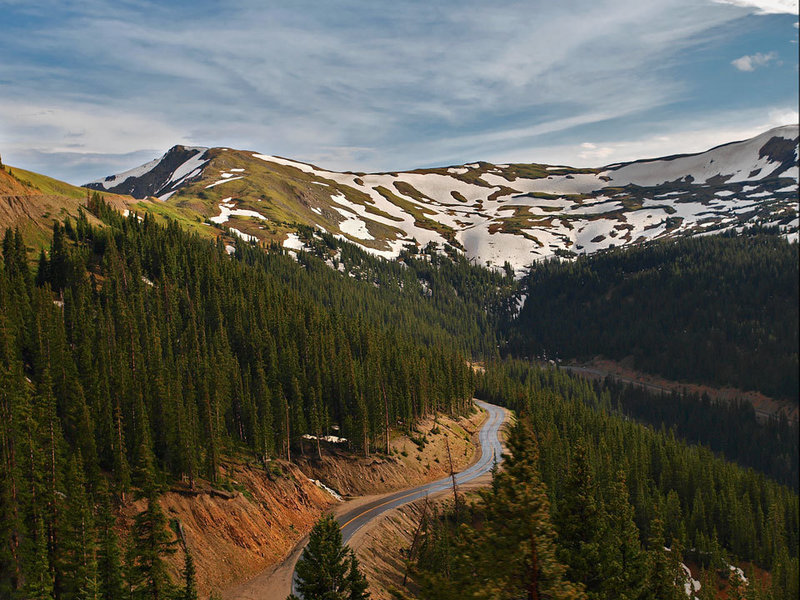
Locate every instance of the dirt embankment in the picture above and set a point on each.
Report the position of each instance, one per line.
(384, 548)
(234, 535)
(411, 460)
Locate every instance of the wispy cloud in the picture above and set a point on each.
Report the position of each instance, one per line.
(685, 136)
(362, 86)
(766, 7)
(753, 61)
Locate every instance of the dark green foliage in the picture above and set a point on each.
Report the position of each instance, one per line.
(730, 428)
(582, 528)
(513, 552)
(149, 354)
(710, 510)
(665, 575)
(189, 591)
(109, 562)
(151, 542)
(140, 355)
(718, 309)
(327, 569)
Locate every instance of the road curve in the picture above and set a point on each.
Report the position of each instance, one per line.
(491, 451)
(277, 582)
(491, 454)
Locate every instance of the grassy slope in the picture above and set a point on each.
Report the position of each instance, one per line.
(283, 194)
(32, 201)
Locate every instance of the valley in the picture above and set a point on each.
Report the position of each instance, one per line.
(400, 301)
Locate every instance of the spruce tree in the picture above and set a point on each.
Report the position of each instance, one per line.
(666, 575)
(151, 542)
(39, 583)
(625, 571)
(581, 527)
(514, 554)
(356, 582)
(189, 591)
(327, 569)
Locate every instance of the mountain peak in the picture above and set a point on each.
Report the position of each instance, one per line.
(515, 213)
(160, 177)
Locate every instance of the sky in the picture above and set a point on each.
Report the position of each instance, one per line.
(93, 87)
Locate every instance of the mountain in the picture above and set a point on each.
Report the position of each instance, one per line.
(31, 202)
(492, 212)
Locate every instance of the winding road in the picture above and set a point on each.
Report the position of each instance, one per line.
(277, 582)
(491, 450)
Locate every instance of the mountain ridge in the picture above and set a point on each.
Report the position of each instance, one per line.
(494, 213)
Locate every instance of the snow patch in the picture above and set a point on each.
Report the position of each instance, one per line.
(216, 183)
(293, 241)
(245, 236)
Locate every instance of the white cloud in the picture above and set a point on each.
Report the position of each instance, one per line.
(752, 61)
(360, 86)
(684, 137)
(593, 153)
(766, 7)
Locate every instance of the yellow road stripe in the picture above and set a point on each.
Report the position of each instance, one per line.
(378, 506)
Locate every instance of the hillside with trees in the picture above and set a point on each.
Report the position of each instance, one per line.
(720, 310)
(136, 356)
(592, 505)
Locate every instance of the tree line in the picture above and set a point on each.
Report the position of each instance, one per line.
(717, 309)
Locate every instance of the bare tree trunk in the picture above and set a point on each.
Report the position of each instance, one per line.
(414, 541)
(452, 476)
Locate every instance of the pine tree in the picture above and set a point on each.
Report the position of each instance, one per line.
(189, 591)
(77, 564)
(514, 554)
(356, 582)
(151, 542)
(625, 572)
(665, 570)
(327, 569)
(581, 528)
(38, 579)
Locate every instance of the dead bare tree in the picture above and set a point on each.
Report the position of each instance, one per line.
(452, 475)
(413, 547)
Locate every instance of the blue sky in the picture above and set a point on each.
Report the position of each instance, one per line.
(89, 87)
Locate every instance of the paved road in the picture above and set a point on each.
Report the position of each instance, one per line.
(491, 453)
(491, 450)
(276, 582)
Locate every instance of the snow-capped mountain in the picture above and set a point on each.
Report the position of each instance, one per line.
(494, 213)
(159, 177)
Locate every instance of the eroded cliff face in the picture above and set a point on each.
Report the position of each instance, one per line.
(411, 460)
(234, 535)
(253, 524)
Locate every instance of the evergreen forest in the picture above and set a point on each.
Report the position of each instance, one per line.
(716, 309)
(137, 356)
(590, 504)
